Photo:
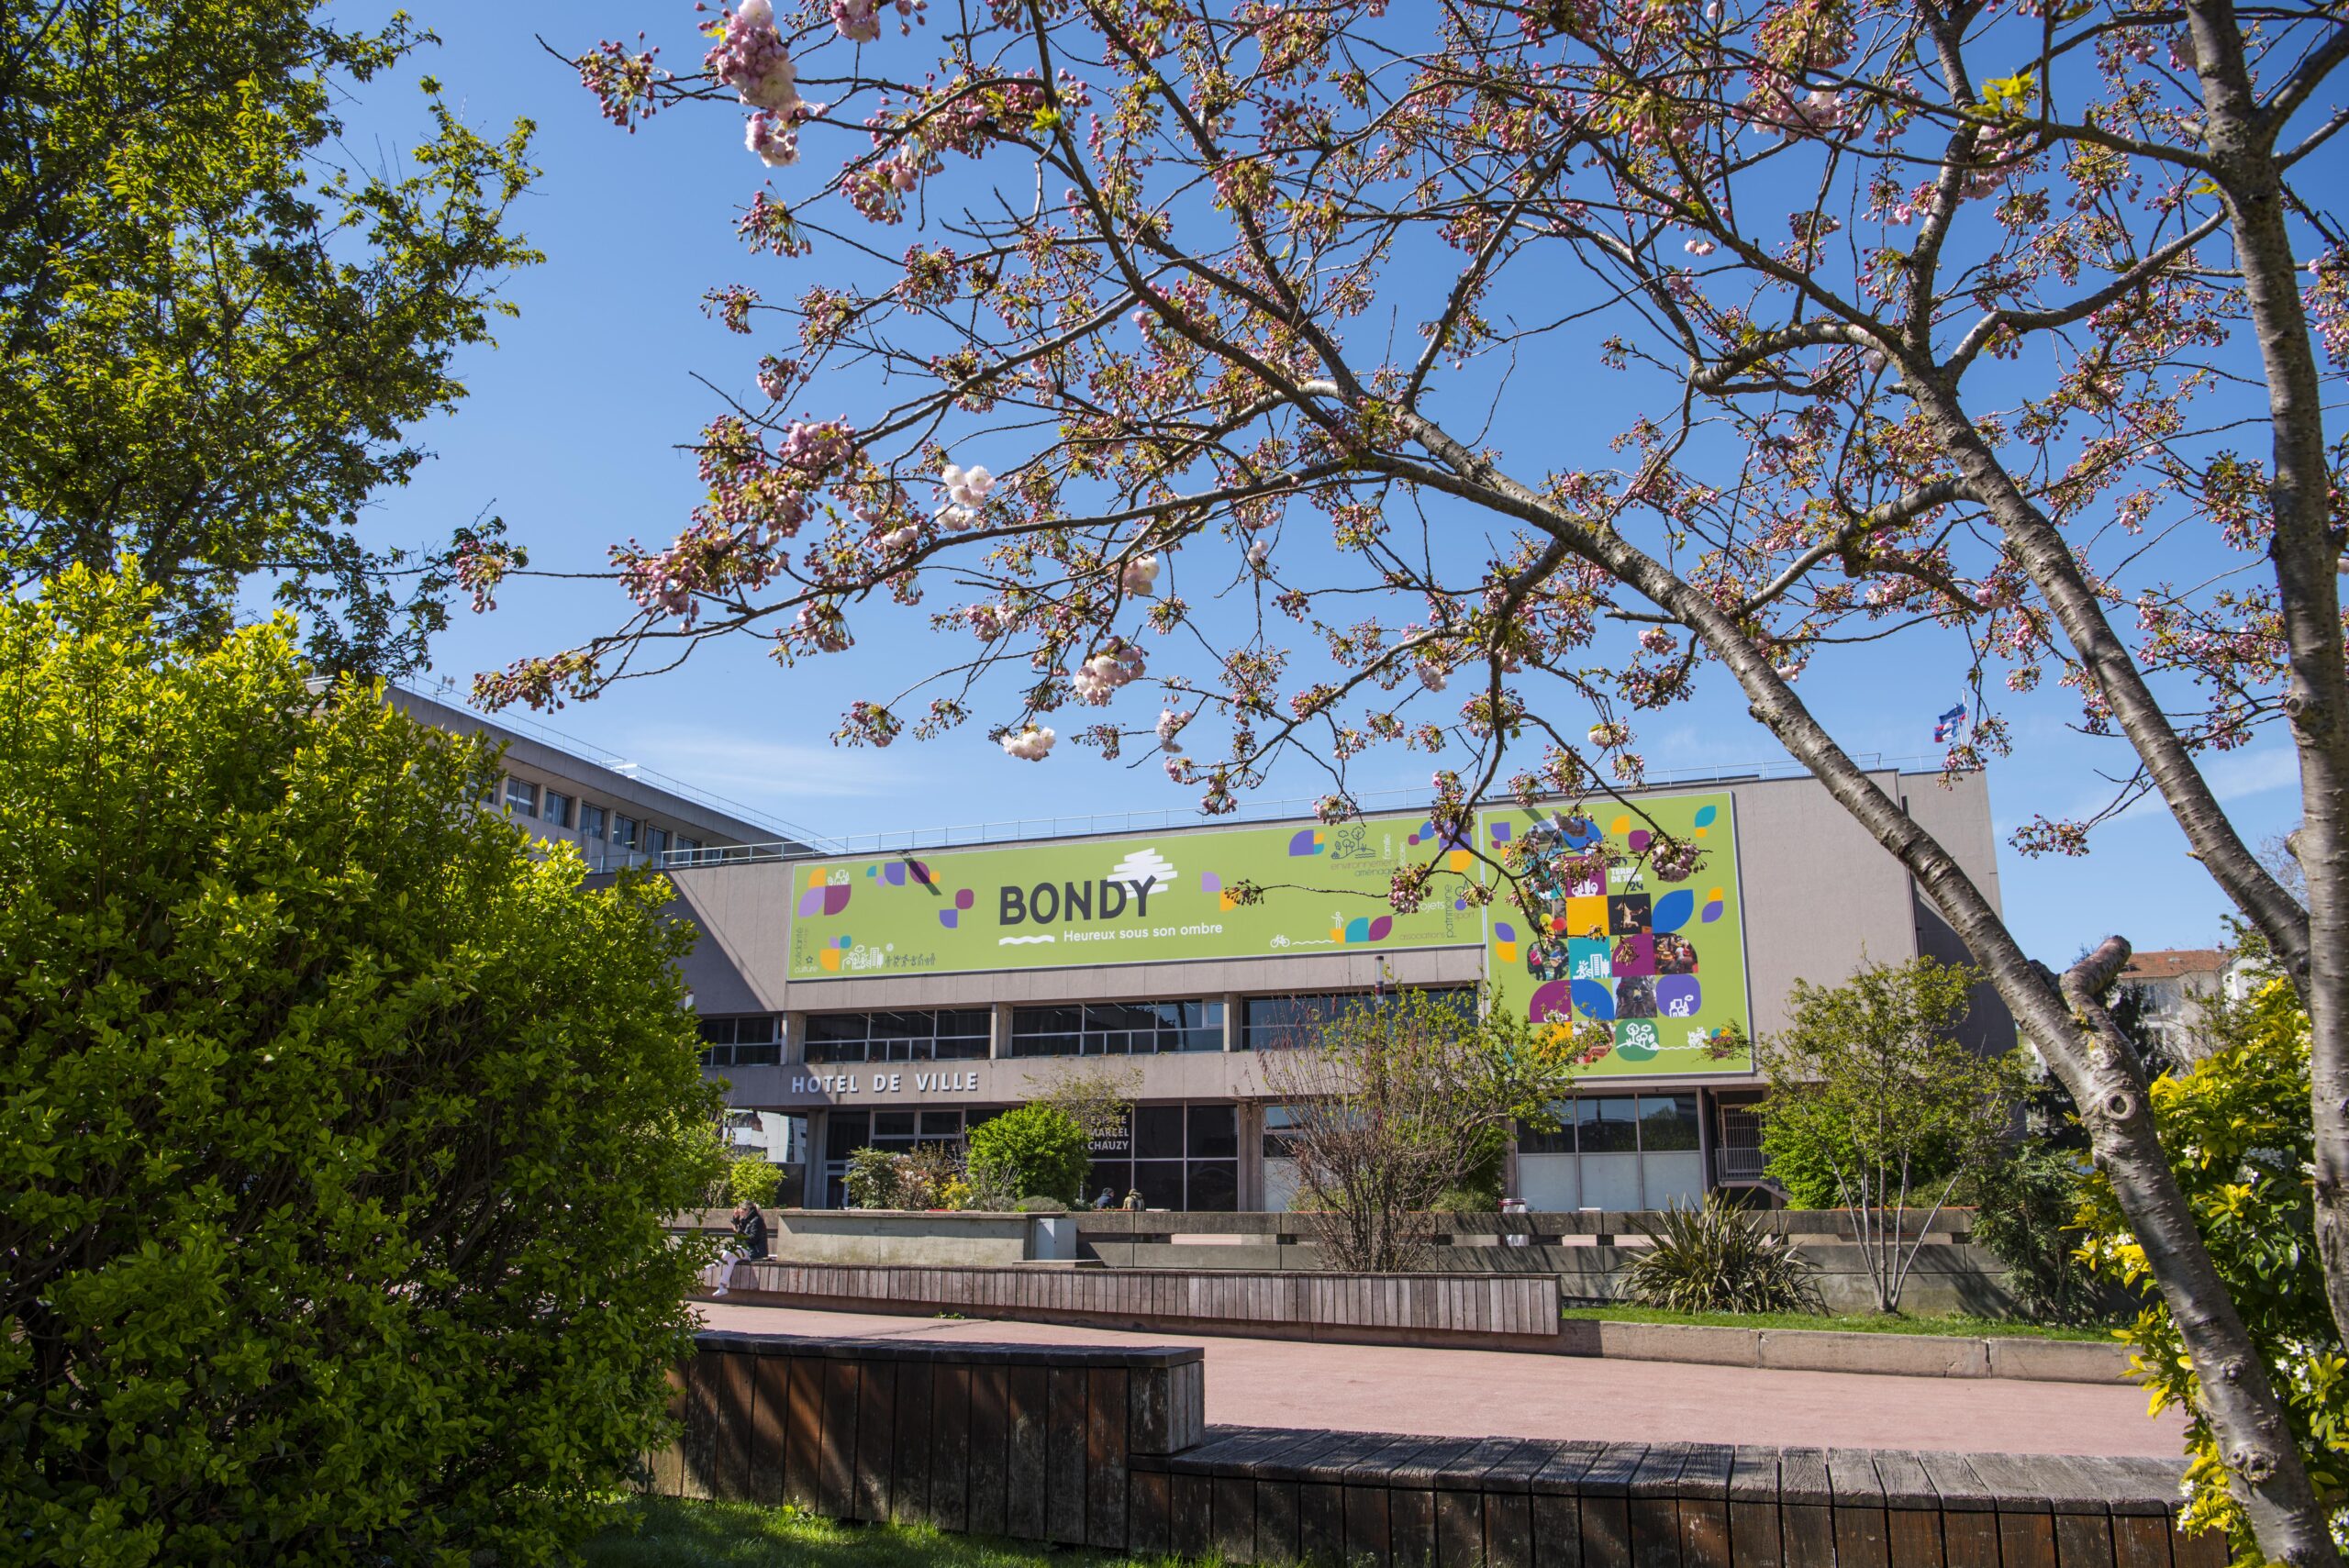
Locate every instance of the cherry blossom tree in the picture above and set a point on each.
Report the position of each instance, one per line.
(1198, 365)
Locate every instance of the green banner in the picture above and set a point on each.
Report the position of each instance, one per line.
(1150, 899)
(1659, 959)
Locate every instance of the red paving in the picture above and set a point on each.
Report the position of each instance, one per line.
(1458, 1393)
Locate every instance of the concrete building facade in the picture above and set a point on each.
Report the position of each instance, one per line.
(873, 1053)
(903, 995)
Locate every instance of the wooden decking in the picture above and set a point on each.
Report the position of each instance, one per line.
(1106, 1447)
(1520, 1309)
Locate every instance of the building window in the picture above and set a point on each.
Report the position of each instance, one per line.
(951, 1034)
(901, 1132)
(1177, 1157)
(1273, 1022)
(741, 1042)
(656, 840)
(624, 832)
(521, 796)
(1117, 1028)
(557, 808)
(591, 822)
(688, 846)
(1613, 1151)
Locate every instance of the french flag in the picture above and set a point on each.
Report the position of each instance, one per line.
(1948, 726)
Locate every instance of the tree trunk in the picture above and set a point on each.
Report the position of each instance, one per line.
(2316, 700)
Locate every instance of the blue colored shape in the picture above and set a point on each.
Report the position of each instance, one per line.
(1594, 999)
(1672, 911)
(1705, 815)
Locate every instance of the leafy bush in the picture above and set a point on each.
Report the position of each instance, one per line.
(753, 1181)
(925, 1176)
(1719, 1258)
(2026, 1211)
(874, 1179)
(2239, 1134)
(336, 1127)
(1036, 1151)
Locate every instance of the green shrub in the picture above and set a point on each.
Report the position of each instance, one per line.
(753, 1181)
(336, 1127)
(874, 1179)
(1719, 1258)
(1035, 1151)
(2026, 1211)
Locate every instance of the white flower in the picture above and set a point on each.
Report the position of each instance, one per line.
(966, 487)
(1699, 246)
(1260, 552)
(1141, 572)
(1432, 675)
(1713, 12)
(773, 138)
(1030, 745)
(1170, 725)
(898, 539)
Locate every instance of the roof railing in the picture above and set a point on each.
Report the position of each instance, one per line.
(1012, 830)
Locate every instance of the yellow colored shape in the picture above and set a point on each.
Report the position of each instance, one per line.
(829, 957)
(1620, 825)
(1508, 951)
(1586, 917)
(1225, 900)
(1714, 897)
(1460, 860)
(1701, 832)
(1336, 934)
(816, 875)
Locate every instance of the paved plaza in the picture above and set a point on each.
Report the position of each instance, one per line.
(1460, 1393)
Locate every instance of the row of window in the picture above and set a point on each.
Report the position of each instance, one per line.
(1615, 1124)
(740, 1042)
(1177, 1157)
(1112, 1029)
(593, 824)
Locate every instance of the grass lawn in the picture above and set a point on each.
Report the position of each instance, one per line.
(668, 1532)
(1858, 1323)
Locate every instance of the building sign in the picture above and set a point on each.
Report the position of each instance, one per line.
(1657, 958)
(1153, 898)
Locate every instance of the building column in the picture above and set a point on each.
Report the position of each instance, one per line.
(1234, 1037)
(998, 1032)
(795, 1040)
(1252, 1155)
(1709, 1105)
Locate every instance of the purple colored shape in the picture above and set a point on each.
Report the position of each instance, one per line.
(1504, 931)
(1678, 996)
(1639, 839)
(1210, 882)
(1712, 910)
(1552, 1003)
(962, 899)
(894, 874)
(947, 917)
(1634, 954)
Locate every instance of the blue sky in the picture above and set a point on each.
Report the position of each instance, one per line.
(571, 433)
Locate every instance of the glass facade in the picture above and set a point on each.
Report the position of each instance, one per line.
(1613, 1151)
(1117, 1029)
(1273, 1022)
(949, 1035)
(1178, 1156)
(901, 1132)
(741, 1042)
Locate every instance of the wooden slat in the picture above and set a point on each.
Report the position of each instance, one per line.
(1861, 1540)
(1108, 1403)
(1704, 1506)
(1065, 1491)
(1606, 1506)
(1193, 1528)
(1024, 1475)
(803, 1434)
(1654, 1510)
(1912, 1516)
(1805, 1508)
(669, 1460)
(913, 1433)
(699, 1445)
(1753, 1509)
(771, 1404)
(987, 1390)
(1150, 1513)
(835, 1466)
(876, 1438)
(958, 1451)
(1557, 1504)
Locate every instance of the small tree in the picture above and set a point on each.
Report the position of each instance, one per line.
(1097, 1096)
(1868, 1086)
(1035, 1151)
(1392, 1106)
(751, 1180)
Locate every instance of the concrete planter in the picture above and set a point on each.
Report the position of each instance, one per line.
(1814, 1349)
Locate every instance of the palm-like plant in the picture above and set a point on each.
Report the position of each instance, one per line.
(1720, 1258)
